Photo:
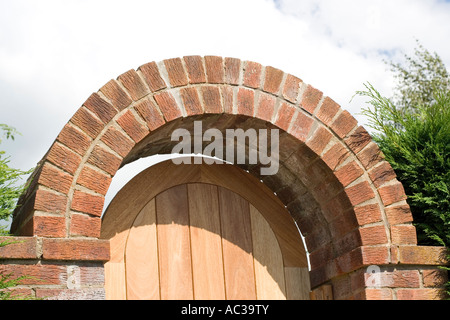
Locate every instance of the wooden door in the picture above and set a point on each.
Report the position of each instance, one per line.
(204, 241)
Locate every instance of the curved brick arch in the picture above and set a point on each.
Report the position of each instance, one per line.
(332, 177)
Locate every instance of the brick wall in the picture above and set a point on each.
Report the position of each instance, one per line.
(333, 178)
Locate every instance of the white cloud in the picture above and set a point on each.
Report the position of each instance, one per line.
(54, 54)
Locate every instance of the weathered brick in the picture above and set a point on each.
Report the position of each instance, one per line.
(195, 69)
(272, 80)
(336, 155)
(168, 106)
(227, 97)
(175, 70)
(343, 124)
(381, 174)
(370, 155)
(422, 255)
(48, 201)
(245, 101)
(373, 235)
(266, 107)
(349, 173)
(284, 117)
(301, 126)
(134, 84)
(114, 92)
(117, 141)
(327, 111)
(211, 99)
(191, 101)
(398, 214)
(370, 213)
(392, 193)
(152, 77)
(85, 120)
(358, 139)
(55, 178)
(252, 74)
(291, 88)
(74, 139)
(420, 294)
(232, 70)
(132, 126)
(82, 225)
(36, 274)
(310, 99)
(71, 294)
(75, 249)
(64, 158)
(87, 203)
(403, 234)
(214, 69)
(105, 160)
(434, 277)
(19, 248)
(319, 139)
(360, 193)
(49, 226)
(101, 108)
(94, 180)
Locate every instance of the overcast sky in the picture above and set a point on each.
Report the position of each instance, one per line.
(54, 53)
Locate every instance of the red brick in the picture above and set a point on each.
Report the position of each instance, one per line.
(370, 213)
(360, 193)
(64, 158)
(150, 113)
(132, 126)
(398, 214)
(94, 180)
(434, 277)
(117, 141)
(195, 69)
(319, 140)
(50, 202)
(370, 155)
(310, 99)
(227, 97)
(382, 174)
(403, 234)
(37, 274)
(343, 124)
(134, 84)
(252, 74)
(291, 88)
(82, 225)
(266, 107)
(301, 126)
(337, 154)
(245, 101)
(19, 248)
(420, 294)
(101, 108)
(422, 255)
(151, 75)
(87, 203)
(284, 116)
(175, 70)
(87, 122)
(191, 101)
(272, 80)
(55, 178)
(75, 249)
(232, 70)
(168, 106)
(327, 111)
(349, 173)
(373, 235)
(49, 226)
(378, 294)
(211, 99)
(392, 193)
(114, 92)
(214, 69)
(358, 139)
(374, 255)
(74, 139)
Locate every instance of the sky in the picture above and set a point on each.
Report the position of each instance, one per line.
(54, 54)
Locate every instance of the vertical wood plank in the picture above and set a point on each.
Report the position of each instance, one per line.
(141, 256)
(174, 251)
(115, 281)
(297, 283)
(268, 260)
(206, 247)
(237, 246)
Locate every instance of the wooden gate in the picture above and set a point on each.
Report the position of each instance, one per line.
(206, 239)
